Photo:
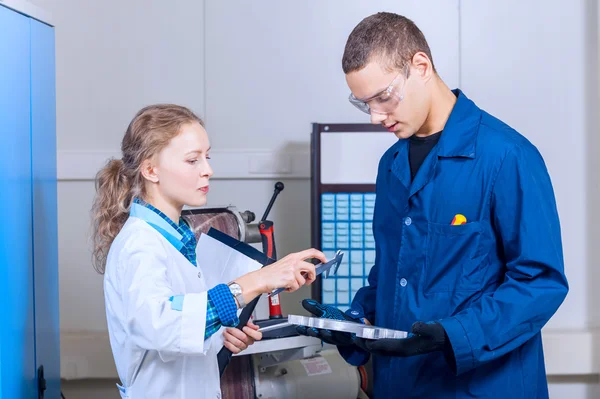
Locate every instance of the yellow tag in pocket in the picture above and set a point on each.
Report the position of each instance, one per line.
(458, 219)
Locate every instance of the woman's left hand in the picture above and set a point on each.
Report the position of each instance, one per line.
(238, 340)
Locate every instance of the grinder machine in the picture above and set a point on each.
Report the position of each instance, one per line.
(250, 376)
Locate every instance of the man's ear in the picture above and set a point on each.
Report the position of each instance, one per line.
(149, 171)
(422, 64)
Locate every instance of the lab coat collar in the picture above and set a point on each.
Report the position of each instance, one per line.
(460, 132)
(180, 236)
(155, 220)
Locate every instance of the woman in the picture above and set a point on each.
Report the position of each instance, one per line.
(164, 315)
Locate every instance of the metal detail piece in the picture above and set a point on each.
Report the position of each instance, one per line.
(330, 267)
(361, 330)
(327, 269)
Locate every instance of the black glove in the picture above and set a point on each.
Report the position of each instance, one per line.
(327, 312)
(423, 338)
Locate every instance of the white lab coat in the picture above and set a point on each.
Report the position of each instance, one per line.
(159, 352)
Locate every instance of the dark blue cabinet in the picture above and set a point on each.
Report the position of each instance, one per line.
(29, 322)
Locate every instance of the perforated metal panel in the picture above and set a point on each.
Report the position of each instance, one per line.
(346, 225)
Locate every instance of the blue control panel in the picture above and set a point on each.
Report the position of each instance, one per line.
(347, 225)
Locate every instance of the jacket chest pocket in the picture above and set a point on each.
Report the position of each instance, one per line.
(453, 261)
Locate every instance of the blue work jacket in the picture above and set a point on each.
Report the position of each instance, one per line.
(492, 282)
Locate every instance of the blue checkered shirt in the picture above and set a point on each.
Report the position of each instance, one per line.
(221, 309)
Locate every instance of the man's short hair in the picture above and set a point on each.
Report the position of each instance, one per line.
(391, 38)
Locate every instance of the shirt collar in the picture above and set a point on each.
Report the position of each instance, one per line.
(179, 235)
(460, 132)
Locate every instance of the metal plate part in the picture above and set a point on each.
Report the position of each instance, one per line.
(326, 269)
(361, 330)
(382, 333)
(330, 267)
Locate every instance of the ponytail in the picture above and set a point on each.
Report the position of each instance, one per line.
(111, 209)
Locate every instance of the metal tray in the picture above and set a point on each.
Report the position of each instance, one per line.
(361, 330)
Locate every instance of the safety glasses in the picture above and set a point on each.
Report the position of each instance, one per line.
(384, 102)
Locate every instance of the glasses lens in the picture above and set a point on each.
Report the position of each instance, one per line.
(385, 103)
(361, 105)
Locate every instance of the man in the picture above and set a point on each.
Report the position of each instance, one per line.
(468, 247)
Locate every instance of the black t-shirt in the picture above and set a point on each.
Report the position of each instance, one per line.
(418, 149)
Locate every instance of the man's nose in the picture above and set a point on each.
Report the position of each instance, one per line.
(376, 118)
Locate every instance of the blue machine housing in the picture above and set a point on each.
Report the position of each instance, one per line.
(29, 320)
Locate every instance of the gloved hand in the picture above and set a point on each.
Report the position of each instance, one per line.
(423, 338)
(337, 338)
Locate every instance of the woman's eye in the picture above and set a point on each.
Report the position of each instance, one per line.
(192, 161)
(208, 157)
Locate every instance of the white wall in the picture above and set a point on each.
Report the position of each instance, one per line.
(274, 67)
(528, 77)
(260, 73)
(115, 57)
(534, 64)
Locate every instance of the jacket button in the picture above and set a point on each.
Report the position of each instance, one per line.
(403, 282)
(408, 221)
(199, 274)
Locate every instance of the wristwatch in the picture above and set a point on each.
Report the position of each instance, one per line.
(236, 291)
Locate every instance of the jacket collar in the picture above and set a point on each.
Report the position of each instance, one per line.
(460, 132)
(179, 235)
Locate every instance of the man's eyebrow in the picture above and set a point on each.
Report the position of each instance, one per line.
(374, 95)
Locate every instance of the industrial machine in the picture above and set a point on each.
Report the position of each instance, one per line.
(294, 372)
(227, 219)
(284, 364)
(239, 226)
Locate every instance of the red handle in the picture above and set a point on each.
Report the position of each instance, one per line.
(268, 238)
(268, 243)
